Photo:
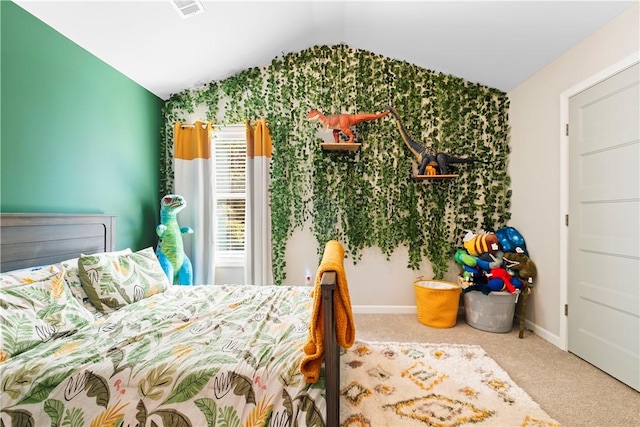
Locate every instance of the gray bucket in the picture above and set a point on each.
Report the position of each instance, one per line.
(491, 313)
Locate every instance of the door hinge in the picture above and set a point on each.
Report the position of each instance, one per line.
(566, 220)
(566, 309)
(566, 129)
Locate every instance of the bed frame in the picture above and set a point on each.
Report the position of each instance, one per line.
(29, 240)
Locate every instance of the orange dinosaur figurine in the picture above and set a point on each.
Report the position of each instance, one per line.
(343, 122)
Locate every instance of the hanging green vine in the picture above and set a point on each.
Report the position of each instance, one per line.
(366, 198)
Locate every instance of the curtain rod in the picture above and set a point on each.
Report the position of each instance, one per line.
(190, 125)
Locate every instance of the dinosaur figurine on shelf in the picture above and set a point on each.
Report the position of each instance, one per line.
(170, 251)
(343, 122)
(430, 162)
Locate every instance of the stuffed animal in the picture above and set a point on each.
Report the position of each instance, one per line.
(170, 250)
(511, 240)
(482, 265)
(463, 258)
(489, 261)
(521, 265)
(482, 287)
(502, 275)
(478, 244)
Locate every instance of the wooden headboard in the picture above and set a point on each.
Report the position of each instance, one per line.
(28, 240)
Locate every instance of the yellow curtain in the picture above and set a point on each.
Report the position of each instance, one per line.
(192, 141)
(259, 139)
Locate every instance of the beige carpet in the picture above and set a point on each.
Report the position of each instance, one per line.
(444, 385)
(571, 391)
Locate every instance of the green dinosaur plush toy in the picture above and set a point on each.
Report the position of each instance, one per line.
(170, 251)
(521, 264)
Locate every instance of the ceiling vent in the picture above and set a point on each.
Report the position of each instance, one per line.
(187, 8)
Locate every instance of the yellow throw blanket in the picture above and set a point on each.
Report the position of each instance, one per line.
(332, 260)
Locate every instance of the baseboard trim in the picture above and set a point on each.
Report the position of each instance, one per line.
(390, 309)
(544, 334)
(384, 309)
(411, 309)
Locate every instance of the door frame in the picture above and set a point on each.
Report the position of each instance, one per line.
(625, 63)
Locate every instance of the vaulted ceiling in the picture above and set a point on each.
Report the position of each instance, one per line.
(495, 43)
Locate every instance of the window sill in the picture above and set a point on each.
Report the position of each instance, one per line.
(229, 261)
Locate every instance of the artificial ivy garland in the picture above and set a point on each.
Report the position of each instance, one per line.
(366, 198)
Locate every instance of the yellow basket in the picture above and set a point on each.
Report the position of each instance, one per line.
(437, 302)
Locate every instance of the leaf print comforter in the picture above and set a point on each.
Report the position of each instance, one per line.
(191, 356)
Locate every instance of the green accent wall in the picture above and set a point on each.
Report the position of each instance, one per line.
(77, 136)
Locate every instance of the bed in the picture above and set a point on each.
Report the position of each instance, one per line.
(151, 354)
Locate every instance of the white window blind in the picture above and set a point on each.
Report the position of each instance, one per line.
(230, 151)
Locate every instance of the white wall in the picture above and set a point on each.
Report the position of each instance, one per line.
(535, 167)
(375, 284)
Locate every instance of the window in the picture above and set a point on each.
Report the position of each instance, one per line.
(230, 153)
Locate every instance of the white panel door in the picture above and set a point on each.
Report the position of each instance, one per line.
(604, 226)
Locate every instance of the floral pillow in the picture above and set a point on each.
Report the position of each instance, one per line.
(72, 277)
(111, 282)
(38, 311)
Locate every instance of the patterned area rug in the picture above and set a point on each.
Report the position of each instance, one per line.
(444, 385)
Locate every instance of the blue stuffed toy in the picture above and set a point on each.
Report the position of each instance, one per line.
(170, 250)
(511, 240)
